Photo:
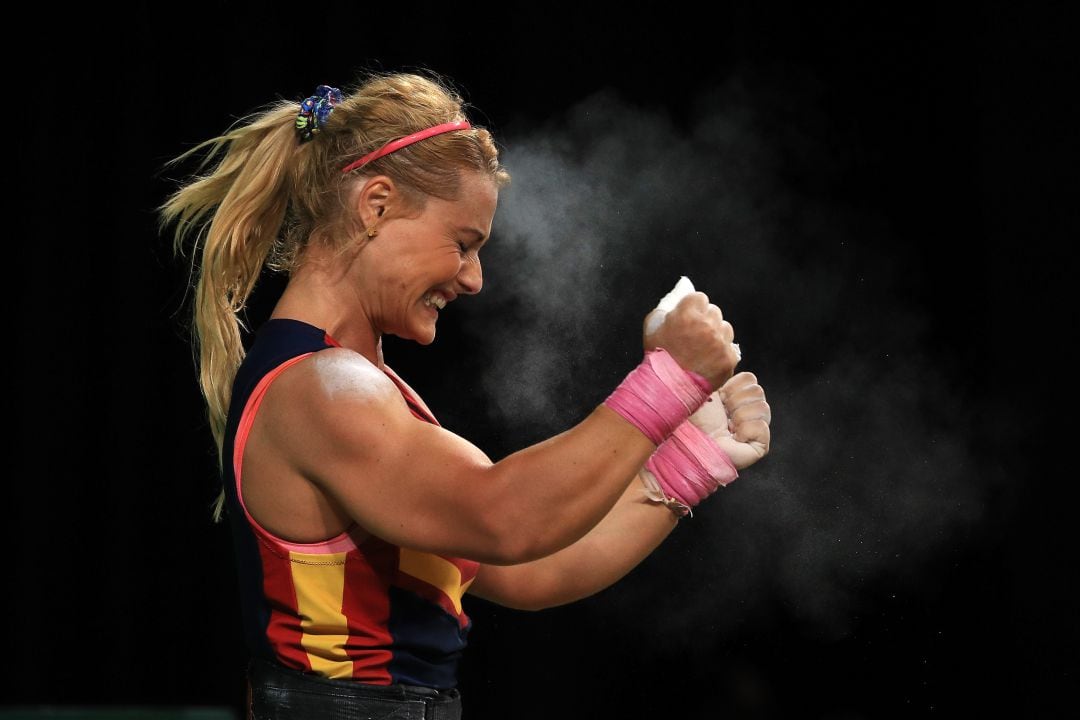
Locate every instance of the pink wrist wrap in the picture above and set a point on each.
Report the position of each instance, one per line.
(688, 467)
(658, 395)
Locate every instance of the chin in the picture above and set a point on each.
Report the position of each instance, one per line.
(424, 336)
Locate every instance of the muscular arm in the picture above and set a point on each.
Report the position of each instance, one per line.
(632, 530)
(337, 424)
(340, 423)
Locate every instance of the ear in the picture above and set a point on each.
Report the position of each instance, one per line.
(375, 198)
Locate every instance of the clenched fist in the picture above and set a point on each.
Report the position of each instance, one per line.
(737, 418)
(697, 336)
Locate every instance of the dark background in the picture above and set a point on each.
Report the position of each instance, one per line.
(950, 130)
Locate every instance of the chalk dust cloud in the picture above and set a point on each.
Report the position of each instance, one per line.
(871, 472)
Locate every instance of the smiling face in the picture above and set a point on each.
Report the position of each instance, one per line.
(420, 261)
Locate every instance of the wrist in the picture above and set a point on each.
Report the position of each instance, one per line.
(687, 468)
(658, 395)
(655, 493)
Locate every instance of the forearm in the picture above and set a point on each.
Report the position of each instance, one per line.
(633, 529)
(549, 495)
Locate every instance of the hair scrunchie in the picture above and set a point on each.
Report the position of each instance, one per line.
(314, 111)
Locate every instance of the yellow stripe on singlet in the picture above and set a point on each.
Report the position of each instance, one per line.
(320, 583)
(436, 571)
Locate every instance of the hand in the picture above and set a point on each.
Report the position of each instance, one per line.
(737, 417)
(696, 335)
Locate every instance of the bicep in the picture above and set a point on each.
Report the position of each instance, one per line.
(412, 483)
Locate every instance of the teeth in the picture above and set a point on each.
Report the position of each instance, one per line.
(435, 301)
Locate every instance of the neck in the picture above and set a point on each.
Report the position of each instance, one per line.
(319, 299)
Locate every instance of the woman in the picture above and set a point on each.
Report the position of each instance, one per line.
(358, 522)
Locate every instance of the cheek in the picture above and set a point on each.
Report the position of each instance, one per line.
(450, 266)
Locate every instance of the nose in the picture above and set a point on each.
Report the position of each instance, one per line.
(471, 276)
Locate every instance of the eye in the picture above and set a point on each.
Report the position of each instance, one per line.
(464, 248)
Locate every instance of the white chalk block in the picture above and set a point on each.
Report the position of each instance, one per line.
(682, 288)
(667, 303)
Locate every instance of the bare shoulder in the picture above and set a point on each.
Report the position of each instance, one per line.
(333, 381)
(333, 403)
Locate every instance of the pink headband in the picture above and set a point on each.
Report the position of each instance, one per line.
(407, 140)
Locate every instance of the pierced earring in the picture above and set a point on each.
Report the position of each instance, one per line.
(372, 231)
